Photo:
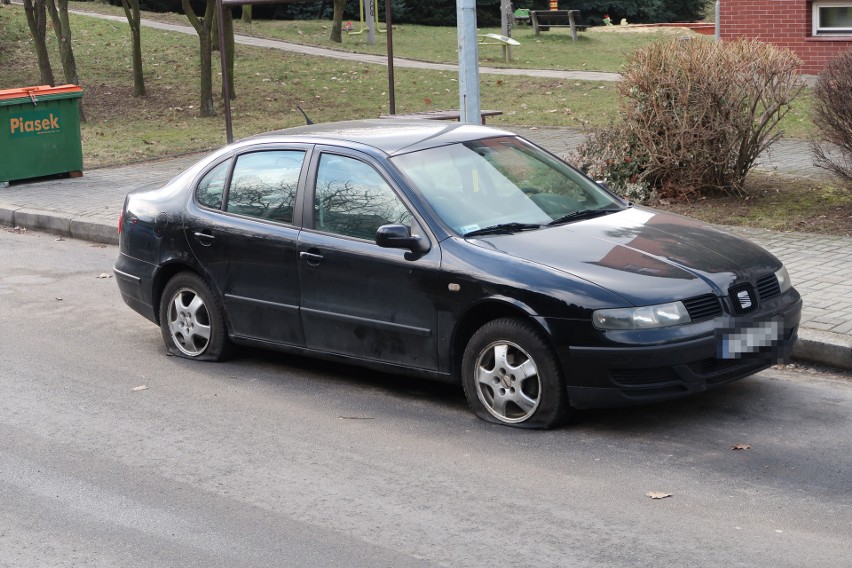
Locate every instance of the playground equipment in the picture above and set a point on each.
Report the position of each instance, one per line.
(375, 15)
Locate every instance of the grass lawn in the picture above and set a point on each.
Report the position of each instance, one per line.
(594, 51)
(269, 84)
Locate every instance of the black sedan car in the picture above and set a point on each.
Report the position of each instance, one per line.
(454, 252)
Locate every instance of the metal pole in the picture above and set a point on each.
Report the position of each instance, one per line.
(389, 26)
(718, 24)
(469, 108)
(226, 96)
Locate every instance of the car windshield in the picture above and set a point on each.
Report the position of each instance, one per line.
(501, 185)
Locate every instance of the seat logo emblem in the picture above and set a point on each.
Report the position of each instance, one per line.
(744, 299)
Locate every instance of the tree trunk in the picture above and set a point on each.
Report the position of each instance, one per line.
(202, 28)
(246, 17)
(131, 11)
(37, 21)
(62, 29)
(337, 24)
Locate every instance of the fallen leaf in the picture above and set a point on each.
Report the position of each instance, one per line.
(357, 418)
(741, 447)
(58, 298)
(657, 495)
(103, 275)
(140, 388)
(60, 239)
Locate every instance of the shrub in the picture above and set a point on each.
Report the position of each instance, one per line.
(695, 115)
(609, 155)
(833, 116)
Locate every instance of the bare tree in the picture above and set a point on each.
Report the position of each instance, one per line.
(203, 27)
(58, 10)
(246, 17)
(131, 11)
(337, 24)
(37, 20)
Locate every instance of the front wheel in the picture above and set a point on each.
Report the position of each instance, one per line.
(191, 320)
(511, 376)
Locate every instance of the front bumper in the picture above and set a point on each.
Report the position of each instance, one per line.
(611, 376)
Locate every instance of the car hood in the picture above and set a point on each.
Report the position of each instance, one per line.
(643, 255)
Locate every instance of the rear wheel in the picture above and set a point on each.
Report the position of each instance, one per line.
(511, 376)
(191, 320)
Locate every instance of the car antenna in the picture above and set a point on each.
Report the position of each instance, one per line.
(307, 119)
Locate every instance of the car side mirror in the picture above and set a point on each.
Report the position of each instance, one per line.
(399, 236)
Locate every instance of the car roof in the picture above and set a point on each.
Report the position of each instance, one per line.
(391, 136)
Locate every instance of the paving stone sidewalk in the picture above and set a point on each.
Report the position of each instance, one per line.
(820, 266)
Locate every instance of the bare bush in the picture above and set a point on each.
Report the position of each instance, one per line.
(695, 115)
(833, 116)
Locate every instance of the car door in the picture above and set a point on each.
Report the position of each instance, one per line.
(242, 228)
(359, 299)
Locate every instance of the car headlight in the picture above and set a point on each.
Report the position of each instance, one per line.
(783, 279)
(645, 317)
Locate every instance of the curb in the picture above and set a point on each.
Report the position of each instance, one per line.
(824, 347)
(59, 224)
(821, 347)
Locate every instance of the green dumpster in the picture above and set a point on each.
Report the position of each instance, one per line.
(40, 132)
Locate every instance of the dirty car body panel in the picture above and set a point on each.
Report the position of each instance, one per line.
(453, 252)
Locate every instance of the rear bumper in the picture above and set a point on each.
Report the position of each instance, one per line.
(135, 282)
(626, 376)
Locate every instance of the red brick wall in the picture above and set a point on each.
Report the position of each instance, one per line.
(783, 22)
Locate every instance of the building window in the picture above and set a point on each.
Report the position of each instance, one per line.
(832, 17)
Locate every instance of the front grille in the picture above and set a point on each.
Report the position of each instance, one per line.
(703, 307)
(743, 298)
(768, 287)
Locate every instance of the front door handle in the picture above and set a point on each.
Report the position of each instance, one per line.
(311, 258)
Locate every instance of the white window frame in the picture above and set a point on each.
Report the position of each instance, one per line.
(822, 31)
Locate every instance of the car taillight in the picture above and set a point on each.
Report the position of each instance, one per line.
(120, 222)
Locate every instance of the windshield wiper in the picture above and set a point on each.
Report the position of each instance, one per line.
(582, 214)
(503, 228)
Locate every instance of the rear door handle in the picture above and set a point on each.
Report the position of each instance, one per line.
(311, 258)
(205, 237)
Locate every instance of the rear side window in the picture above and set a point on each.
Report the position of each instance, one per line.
(264, 184)
(212, 186)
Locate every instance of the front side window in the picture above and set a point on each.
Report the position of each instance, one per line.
(354, 200)
(496, 182)
(832, 17)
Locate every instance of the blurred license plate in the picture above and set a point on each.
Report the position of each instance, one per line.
(734, 341)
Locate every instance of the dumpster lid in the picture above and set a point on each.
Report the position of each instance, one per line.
(34, 92)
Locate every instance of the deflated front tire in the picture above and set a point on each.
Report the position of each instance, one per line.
(511, 376)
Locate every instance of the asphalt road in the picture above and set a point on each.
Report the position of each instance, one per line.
(270, 460)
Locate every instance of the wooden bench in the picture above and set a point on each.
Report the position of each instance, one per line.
(496, 39)
(442, 114)
(543, 20)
